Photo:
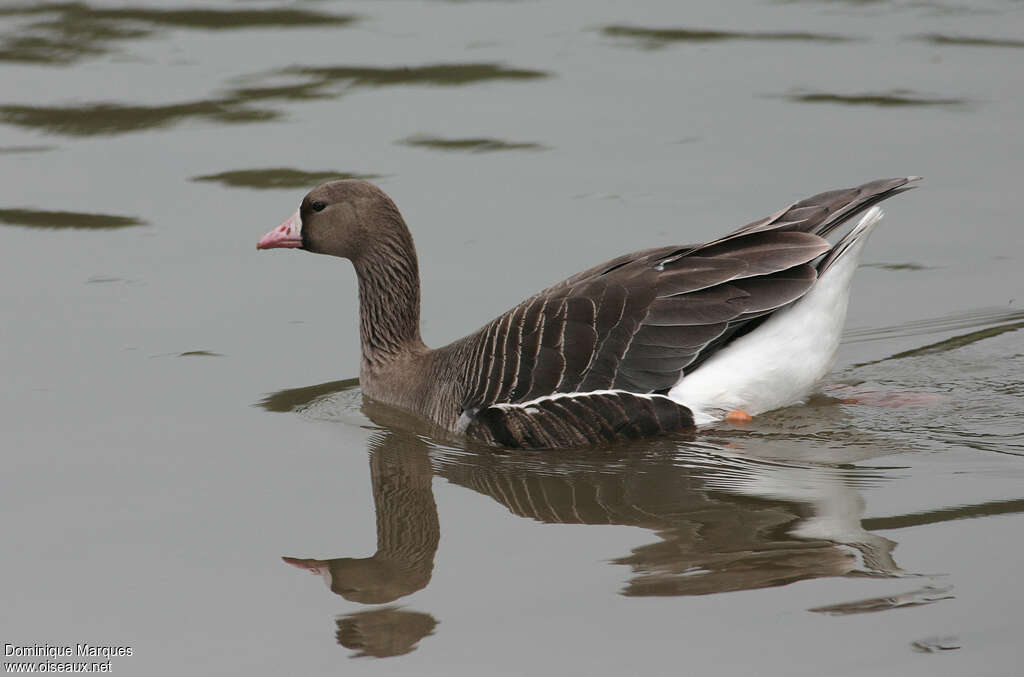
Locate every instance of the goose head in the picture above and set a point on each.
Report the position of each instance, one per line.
(343, 218)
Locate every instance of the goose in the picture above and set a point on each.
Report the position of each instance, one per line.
(657, 341)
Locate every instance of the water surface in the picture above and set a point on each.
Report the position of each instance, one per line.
(185, 442)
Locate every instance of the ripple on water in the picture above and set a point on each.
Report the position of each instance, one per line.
(936, 644)
(472, 145)
(340, 401)
(318, 82)
(107, 119)
(11, 150)
(970, 41)
(894, 98)
(970, 385)
(61, 33)
(235, 106)
(926, 595)
(653, 38)
(40, 218)
(280, 177)
(897, 266)
(971, 319)
(438, 74)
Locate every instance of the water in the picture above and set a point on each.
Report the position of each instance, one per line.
(179, 412)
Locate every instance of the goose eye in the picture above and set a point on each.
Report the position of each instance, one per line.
(317, 205)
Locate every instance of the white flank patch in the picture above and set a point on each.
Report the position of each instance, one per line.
(782, 361)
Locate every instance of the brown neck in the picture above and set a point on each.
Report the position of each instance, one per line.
(408, 530)
(389, 299)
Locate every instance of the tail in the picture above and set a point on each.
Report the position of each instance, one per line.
(855, 239)
(823, 213)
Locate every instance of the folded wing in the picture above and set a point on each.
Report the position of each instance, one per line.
(640, 322)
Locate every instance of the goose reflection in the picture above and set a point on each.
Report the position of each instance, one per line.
(407, 527)
(724, 521)
(381, 633)
(408, 532)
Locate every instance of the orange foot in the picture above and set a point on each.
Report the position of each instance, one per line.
(738, 416)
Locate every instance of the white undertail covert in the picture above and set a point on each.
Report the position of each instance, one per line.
(782, 361)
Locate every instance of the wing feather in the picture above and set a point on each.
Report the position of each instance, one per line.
(638, 322)
(529, 347)
(578, 342)
(707, 306)
(770, 252)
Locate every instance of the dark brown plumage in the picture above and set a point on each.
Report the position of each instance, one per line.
(590, 358)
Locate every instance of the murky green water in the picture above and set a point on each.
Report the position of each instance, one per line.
(178, 411)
